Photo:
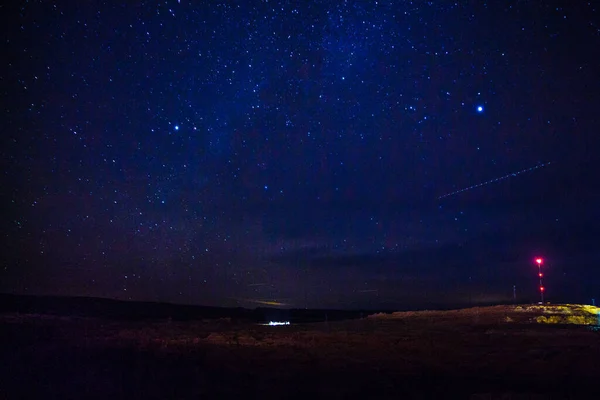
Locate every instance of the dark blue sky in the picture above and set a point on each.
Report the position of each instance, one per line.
(307, 153)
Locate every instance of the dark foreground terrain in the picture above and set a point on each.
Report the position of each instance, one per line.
(502, 352)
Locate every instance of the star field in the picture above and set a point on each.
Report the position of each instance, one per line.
(323, 154)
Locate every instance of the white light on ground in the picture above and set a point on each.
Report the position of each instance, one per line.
(277, 323)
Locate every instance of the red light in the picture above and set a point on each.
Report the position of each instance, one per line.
(538, 260)
(540, 274)
(541, 288)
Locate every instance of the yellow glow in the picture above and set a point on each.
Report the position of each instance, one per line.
(577, 314)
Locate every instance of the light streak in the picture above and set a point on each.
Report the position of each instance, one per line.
(511, 175)
(264, 302)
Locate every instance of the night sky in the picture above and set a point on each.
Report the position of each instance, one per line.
(330, 154)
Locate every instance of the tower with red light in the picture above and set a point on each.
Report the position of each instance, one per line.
(539, 261)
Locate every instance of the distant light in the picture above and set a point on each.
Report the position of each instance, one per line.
(176, 127)
(479, 109)
(278, 323)
(540, 274)
(539, 260)
(541, 288)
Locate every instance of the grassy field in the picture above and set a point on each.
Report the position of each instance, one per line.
(502, 352)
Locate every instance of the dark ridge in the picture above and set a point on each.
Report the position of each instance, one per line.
(140, 311)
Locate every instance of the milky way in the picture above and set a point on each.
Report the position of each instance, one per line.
(188, 151)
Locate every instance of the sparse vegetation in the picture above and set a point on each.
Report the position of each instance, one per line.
(524, 350)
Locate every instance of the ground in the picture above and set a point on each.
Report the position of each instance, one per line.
(502, 352)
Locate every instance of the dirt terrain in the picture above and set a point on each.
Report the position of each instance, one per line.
(502, 352)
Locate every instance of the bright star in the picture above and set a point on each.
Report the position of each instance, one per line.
(176, 127)
(480, 109)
